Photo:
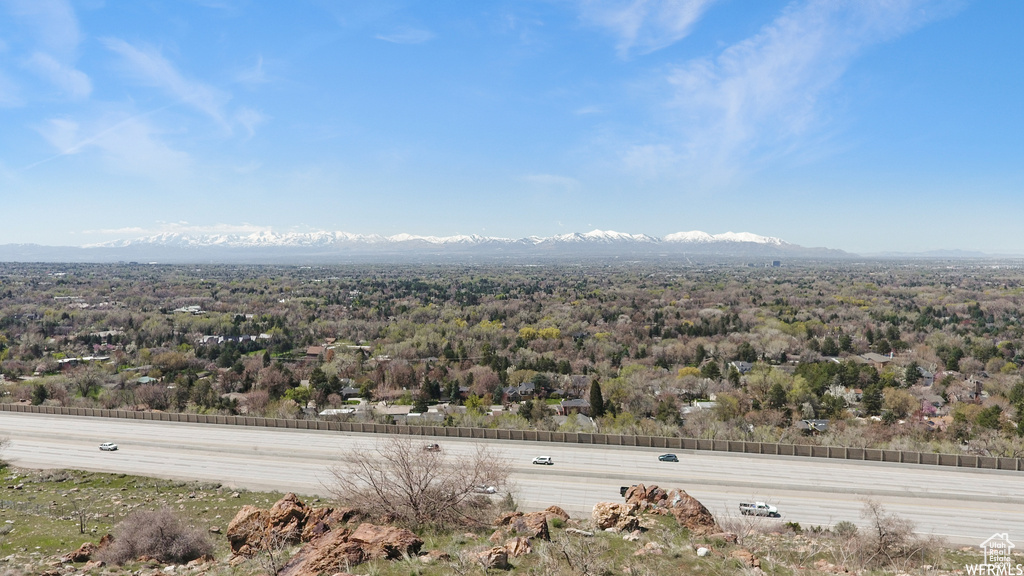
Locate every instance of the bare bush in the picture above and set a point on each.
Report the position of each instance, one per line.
(157, 533)
(889, 540)
(576, 554)
(402, 482)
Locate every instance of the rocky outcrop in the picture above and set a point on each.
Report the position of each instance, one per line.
(288, 521)
(689, 512)
(342, 548)
(325, 555)
(248, 530)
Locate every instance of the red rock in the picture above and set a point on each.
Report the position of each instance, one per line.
(556, 512)
(518, 546)
(83, 554)
(324, 555)
(531, 525)
(495, 558)
(386, 541)
(248, 529)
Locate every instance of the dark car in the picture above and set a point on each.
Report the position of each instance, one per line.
(432, 448)
(668, 458)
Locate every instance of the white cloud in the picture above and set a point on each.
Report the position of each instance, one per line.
(125, 144)
(406, 35)
(10, 95)
(552, 181)
(768, 95)
(249, 118)
(644, 26)
(152, 69)
(253, 75)
(54, 28)
(587, 110)
(181, 227)
(53, 23)
(74, 83)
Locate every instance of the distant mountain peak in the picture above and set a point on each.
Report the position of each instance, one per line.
(267, 238)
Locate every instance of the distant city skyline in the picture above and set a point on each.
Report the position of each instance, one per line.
(864, 126)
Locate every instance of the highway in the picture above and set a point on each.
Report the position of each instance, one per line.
(965, 506)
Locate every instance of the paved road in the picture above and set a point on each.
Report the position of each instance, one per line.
(966, 506)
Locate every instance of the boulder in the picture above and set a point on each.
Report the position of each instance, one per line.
(614, 516)
(532, 525)
(556, 512)
(495, 558)
(690, 513)
(727, 537)
(518, 546)
(248, 529)
(287, 517)
(83, 554)
(506, 518)
(386, 541)
(325, 555)
(93, 565)
(499, 535)
(320, 520)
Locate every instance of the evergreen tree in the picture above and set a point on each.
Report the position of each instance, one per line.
(39, 394)
(871, 400)
(911, 375)
(596, 400)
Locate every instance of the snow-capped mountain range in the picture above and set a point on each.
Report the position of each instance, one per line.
(267, 239)
(269, 247)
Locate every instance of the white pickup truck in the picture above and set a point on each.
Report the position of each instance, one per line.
(758, 509)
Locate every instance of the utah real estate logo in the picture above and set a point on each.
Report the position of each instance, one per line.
(998, 558)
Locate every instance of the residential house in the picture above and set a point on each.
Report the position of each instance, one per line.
(575, 406)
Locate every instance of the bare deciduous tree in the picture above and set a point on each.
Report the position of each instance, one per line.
(401, 481)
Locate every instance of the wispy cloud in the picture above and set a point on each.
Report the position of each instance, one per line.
(253, 75)
(10, 93)
(406, 35)
(644, 26)
(56, 36)
(552, 181)
(249, 118)
(126, 144)
(73, 82)
(53, 23)
(587, 110)
(769, 94)
(181, 227)
(151, 68)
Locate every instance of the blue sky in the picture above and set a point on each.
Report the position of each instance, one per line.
(862, 125)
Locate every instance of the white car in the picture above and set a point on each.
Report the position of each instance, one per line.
(544, 460)
(108, 446)
(484, 489)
